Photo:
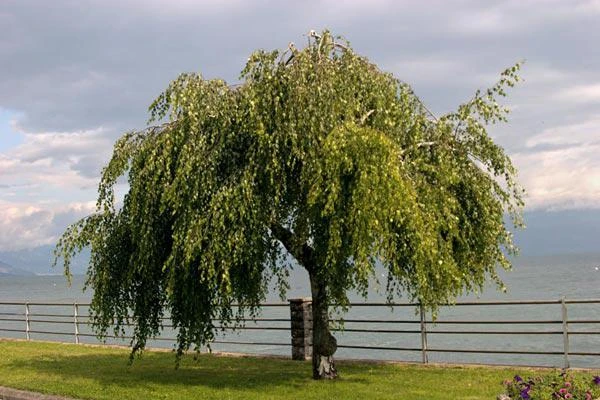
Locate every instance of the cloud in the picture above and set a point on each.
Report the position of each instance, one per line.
(429, 69)
(585, 93)
(515, 17)
(76, 75)
(562, 168)
(583, 133)
(491, 20)
(48, 182)
(57, 160)
(25, 225)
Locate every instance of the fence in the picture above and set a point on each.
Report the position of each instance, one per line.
(33, 320)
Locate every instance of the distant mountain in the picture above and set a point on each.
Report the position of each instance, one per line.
(547, 233)
(38, 260)
(560, 232)
(7, 269)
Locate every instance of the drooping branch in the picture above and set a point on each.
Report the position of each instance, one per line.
(297, 141)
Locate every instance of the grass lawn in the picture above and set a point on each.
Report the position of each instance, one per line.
(103, 373)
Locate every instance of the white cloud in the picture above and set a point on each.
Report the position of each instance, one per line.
(60, 145)
(62, 160)
(561, 169)
(581, 134)
(24, 225)
(583, 93)
(46, 183)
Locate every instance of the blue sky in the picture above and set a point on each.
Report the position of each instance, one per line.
(75, 75)
(9, 136)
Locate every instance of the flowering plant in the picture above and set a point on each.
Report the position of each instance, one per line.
(554, 387)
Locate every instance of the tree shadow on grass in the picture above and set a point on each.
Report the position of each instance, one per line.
(158, 369)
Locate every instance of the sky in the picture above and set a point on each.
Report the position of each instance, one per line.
(75, 75)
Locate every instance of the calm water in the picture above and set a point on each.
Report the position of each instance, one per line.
(539, 278)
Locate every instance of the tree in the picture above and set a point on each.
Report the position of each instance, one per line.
(318, 154)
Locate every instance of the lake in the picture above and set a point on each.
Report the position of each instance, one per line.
(575, 276)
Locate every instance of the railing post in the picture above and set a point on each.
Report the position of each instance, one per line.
(27, 324)
(301, 328)
(423, 333)
(565, 327)
(76, 322)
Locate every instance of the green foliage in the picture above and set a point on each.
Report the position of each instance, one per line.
(318, 154)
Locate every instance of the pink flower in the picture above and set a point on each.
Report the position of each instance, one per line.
(588, 396)
(567, 384)
(562, 391)
(568, 396)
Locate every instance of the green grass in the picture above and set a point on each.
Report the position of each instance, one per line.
(103, 373)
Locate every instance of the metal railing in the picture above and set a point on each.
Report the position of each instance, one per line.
(31, 315)
(28, 317)
(559, 326)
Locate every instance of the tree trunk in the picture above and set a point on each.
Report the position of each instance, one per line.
(324, 344)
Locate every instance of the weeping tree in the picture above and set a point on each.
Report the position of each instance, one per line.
(317, 158)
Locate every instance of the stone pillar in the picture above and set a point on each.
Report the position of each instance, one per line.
(301, 320)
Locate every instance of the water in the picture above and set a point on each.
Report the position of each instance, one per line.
(539, 278)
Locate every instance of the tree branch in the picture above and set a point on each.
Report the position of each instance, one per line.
(302, 252)
(364, 117)
(315, 35)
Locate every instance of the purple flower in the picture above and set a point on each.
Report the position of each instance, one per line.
(525, 394)
(519, 379)
(596, 380)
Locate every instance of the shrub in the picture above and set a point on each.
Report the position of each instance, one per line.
(565, 385)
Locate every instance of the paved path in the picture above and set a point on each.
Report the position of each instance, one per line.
(14, 394)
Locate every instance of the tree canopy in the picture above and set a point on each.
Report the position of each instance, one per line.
(317, 154)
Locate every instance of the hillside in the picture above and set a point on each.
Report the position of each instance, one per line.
(9, 270)
(38, 260)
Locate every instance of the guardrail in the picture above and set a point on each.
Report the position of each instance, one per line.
(31, 315)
